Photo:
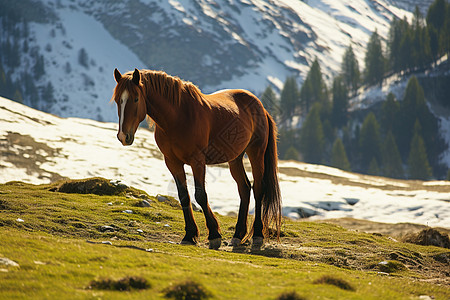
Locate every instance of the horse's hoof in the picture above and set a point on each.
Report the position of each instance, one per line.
(257, 242)
(215, 243)
(235, 242)
(187, 243)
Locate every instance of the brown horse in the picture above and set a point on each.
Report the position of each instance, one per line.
(197, 129)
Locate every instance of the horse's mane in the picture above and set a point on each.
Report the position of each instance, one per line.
(169, 87)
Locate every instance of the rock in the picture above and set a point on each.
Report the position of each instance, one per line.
(351, 201)
(166, 225)
(119, 184)
(162, 198)
(20, 220)
(425, 297)
(109, 203)
(145, 203)
(168, 200)
(106, 243)
(128, 211)
(107, 228)
(7, 262)
(140, 231)
(293, 215)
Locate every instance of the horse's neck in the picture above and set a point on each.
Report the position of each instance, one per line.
(162, 112)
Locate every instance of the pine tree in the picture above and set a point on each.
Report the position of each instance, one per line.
(287, 138)
(392, 162)
(445, 41)
(369, 141)
(412, 108)
(421, 51)
(389, 113)
(83, 58)
(314, 89)
(47, 97)
(339, 156)
(270, 102)
(434, 42)
(406, 46)
(418, 165)
(374, 60)
(393, 45)
(2, 79)
(17, 96)
(436, 14)
(312, 137)
(39, 67)
(292, 154)
(350, 70)
(373, 168)
(289, 98)
(340, 102)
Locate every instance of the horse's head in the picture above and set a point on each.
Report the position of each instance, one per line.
(131, 106)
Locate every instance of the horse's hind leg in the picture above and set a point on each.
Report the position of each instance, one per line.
(177, 170)
(214, 237)
(256, 157)
(238, 172)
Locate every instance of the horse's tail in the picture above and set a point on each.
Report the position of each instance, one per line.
(271, 202)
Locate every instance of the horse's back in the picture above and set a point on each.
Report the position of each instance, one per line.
(238, 117)
(235, 100)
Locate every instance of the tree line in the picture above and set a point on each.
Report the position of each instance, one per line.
(397, 138)
(14, 45)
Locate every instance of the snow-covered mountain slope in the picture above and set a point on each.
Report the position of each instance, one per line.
(37, 147)
(215, 44)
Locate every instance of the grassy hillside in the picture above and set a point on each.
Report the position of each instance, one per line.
(76, 245)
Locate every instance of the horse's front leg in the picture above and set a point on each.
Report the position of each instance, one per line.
(177, 170)
(214, 237)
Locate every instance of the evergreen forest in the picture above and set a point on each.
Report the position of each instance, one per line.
(397, 138)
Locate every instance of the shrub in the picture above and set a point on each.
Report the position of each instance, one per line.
(125, 284)
(290, 296)
(340, 283)
(188, 290)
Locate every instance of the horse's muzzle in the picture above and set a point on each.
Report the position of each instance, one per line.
(125, 139)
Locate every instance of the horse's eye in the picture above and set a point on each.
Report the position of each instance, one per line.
(136, 100)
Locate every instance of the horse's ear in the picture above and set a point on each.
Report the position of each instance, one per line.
(136, 77)
(117, 75)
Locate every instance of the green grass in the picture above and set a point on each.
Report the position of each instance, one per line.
(59, 247)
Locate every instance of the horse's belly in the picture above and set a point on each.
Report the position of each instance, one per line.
(227, 146)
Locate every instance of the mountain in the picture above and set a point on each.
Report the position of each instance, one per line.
(60, 55)
(37, 147)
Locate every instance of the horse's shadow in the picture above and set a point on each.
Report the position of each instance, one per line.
(267, 251)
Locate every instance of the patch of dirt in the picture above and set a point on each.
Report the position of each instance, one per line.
(398, 231)
(24, 152)
(429, 237)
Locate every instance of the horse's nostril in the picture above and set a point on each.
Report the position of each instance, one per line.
(128, 138)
